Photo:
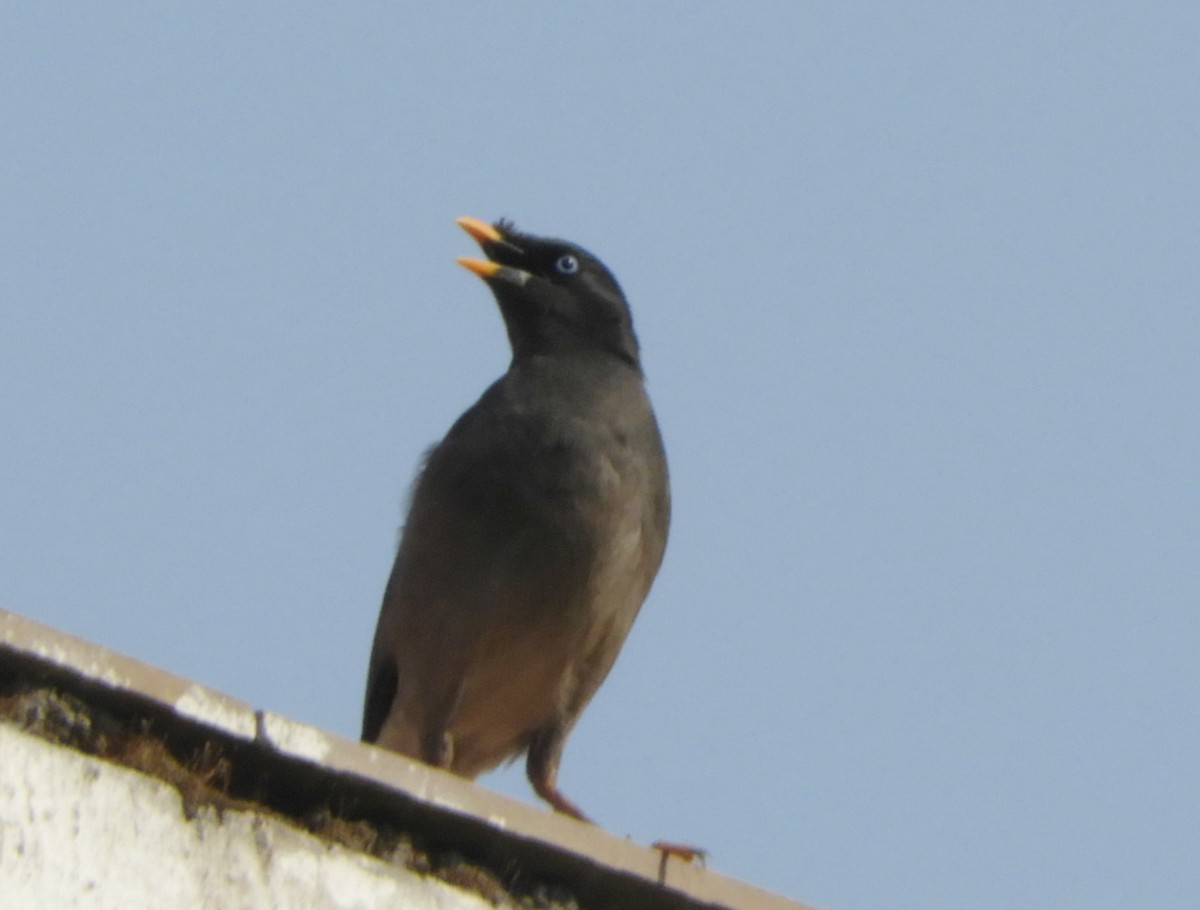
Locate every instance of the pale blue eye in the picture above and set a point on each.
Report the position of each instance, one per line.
(567, 264)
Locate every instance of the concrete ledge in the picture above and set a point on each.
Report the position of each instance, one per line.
(270, 773)
(80, 832)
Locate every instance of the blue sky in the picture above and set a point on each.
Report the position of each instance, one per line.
(917, 289)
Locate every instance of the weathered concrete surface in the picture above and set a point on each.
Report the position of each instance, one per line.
(78, 832)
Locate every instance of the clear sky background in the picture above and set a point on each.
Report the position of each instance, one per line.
(918, 290)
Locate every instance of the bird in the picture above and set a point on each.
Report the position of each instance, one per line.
(535, 529)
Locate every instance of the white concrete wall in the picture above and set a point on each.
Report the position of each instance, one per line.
(77, 832)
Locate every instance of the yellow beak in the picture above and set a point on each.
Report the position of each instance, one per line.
(480, 230)
(480, 267)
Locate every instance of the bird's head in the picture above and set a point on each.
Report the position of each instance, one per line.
(555, 297)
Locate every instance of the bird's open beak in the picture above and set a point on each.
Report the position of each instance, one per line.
(487, 236)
